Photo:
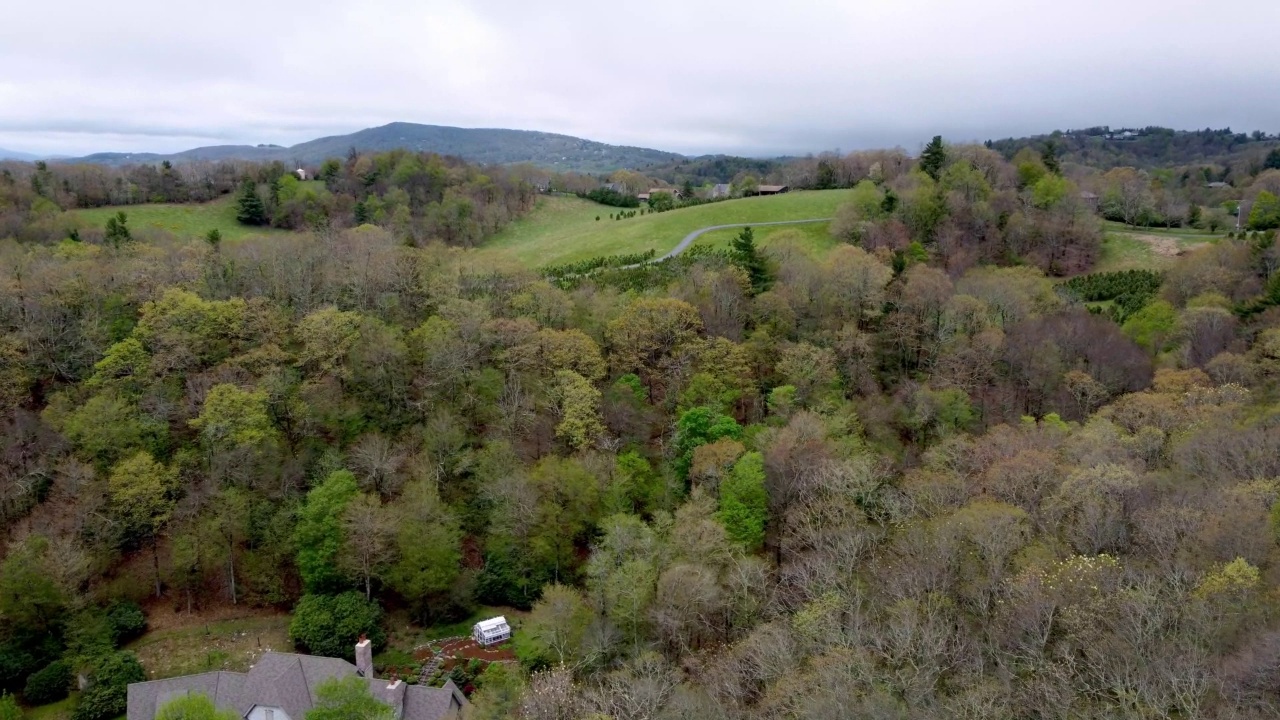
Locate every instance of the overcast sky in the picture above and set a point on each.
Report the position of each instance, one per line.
(742, 76)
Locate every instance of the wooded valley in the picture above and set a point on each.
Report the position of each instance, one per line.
(944, 469)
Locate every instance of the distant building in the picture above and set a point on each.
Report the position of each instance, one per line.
(282, 686)
(723, 190)
(772, 189)
(616, 187)
(491, 631)
(1217, 185)
(643, 197)
(302, 174)
(1090, 199)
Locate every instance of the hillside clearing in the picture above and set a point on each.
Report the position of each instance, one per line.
(565, 229)
(188, 220)
(186, 645)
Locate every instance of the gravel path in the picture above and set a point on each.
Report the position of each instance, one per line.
(688, 239)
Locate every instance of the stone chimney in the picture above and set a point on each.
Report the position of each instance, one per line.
(364, 657)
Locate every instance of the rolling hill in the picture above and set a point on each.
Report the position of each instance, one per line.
(483, 146)
(565, 229)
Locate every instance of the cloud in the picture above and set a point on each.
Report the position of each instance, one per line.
(694, 76)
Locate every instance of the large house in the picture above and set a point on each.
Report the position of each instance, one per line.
(282, 686)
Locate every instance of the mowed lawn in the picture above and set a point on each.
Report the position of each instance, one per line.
(185, 220)
(565, 229)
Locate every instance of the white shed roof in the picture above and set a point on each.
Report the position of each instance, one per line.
(492, 624)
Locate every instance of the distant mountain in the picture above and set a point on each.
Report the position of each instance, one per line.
(483, 146)
(15, 155)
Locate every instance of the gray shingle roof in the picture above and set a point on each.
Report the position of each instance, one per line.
(289, 682)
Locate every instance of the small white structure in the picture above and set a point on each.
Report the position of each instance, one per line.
(302, 174)
(491, 631)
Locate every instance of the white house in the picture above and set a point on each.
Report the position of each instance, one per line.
(302, 174)
(491, 631)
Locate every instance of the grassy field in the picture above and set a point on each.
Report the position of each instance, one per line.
(231, 644)
(1146, 248)
(186, 221)
(565, 229)
(60, 710)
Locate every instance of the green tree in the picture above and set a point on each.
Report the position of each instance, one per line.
(553, 632)
(1153, 326)
(318, 534)
(745, 255)
(499, 690)
(331, 625)
(117, 232)
(214, 238)
(579, 405)
(250, 209)
(29, 597)
(428, 541)
(662, 201)
(687, 191)
(196, 706)
(933, 157)
(744, 503)
(233, 417)
(348, 698)
(1265, 213)
(699, 426)
(49, 685)
(1050, 191)
(108, 690)
(143, 494)
(1272, 161)
(1049, 156)
(9, 709)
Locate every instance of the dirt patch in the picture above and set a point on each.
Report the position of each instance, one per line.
(465, 648)
(1166, 246)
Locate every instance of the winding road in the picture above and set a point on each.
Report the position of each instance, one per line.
(688, 239)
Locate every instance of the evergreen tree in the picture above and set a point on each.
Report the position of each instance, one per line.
(826, 175)
(118, 230)
(249, 207)
(687, 190)
(214, 238)
(1050, 157)
(890, 202)
(747, 256)
(1273, 160)
(362, 213)
(933, 157)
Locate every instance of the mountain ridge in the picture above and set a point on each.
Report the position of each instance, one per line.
(489, 146)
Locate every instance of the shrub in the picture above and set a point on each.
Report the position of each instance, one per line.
(332, 624)
(106, 697)
(127, 620)
(50, 684)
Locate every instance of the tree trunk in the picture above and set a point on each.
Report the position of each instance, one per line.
(231, 562)
(155, 558)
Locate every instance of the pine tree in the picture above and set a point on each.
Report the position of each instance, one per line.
(1273, 160)
(746, 256)
(118, 230)
(933, 157)
(249, 207)
(214, 238)
(1050, 157)
(362, 213)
